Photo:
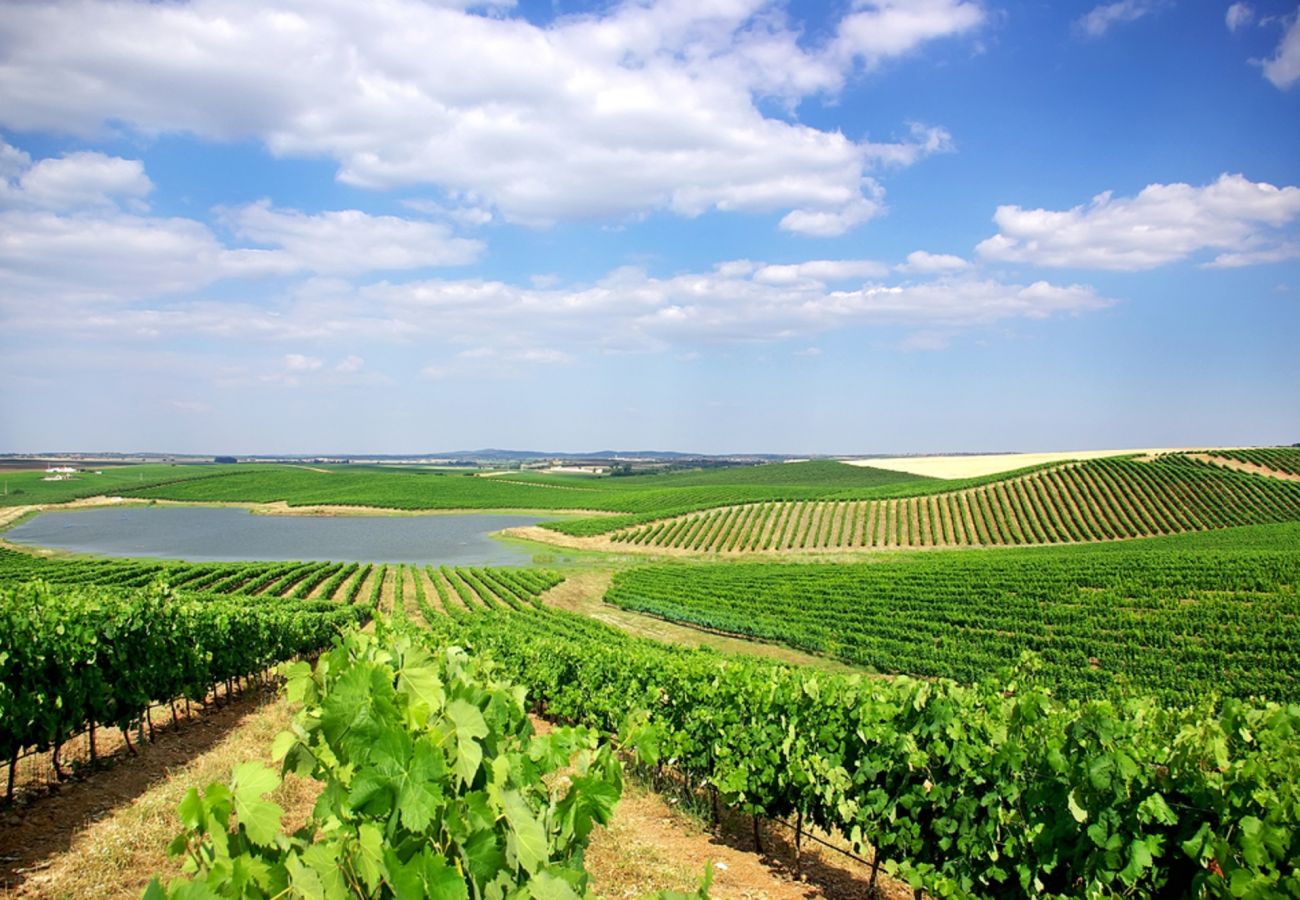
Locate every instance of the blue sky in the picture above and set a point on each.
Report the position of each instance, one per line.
(708, 225)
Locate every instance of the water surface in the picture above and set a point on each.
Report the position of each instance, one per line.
(202, 534)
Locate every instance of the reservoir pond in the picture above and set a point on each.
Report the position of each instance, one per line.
(203, 534)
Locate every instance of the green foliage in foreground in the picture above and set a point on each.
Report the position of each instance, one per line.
(1178, 624)
(998, 789)
(435, 785)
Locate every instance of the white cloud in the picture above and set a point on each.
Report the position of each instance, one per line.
(484, 325)
(72, 181)
(877, 31)
(350, 241)
(297, 362)
(629, 310)
(926, 140)
(921, 261)
(829, 223)
(1100, 19)
(819, 271)
(1164, 223)
(13, 162)
(46, 257)
(1239, 15)
(65, 236)
(641, 107)
(1280, 253)
(1283, 70)
(350, 365)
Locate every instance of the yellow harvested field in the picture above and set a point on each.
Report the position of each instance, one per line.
(992, 463)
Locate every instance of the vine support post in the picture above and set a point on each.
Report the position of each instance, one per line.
(13, 768)
(93, 754)
(148, 720)
(175, 722)
(798, 844)
(875, 870)
(758, 838)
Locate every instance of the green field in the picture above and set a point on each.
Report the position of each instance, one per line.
(1181, 623)
(23, 487)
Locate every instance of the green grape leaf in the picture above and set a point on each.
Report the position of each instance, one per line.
(527, 836)
(260, 818)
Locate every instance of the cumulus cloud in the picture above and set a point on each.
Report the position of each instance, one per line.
(829, 223)
(72, 181)
(1243, 221)
(819, 271)
(1239, 15)
(921, 261)
(297, 362)
(73, 228)
(1100, 19)
(350, 241)
(46, 257)
(878, 31)
(1283, 69)
(639, 107)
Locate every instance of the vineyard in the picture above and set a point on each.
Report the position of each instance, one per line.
(1178, 624)
(995, 789)
(1279, 459)
(1098, 500)
(94, 643)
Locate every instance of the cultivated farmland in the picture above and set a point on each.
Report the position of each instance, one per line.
(1089, 501)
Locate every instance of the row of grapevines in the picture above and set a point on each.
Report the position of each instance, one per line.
(1279, 459)
(1102, 499)
(997, 789)
(70, 657)
(1178, 624)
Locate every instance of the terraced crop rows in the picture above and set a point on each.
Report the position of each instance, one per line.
(1181, 625)
(1097, 500)
(1279, 459)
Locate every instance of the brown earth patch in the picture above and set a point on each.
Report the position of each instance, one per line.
(106, 835)
(1238, 465)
